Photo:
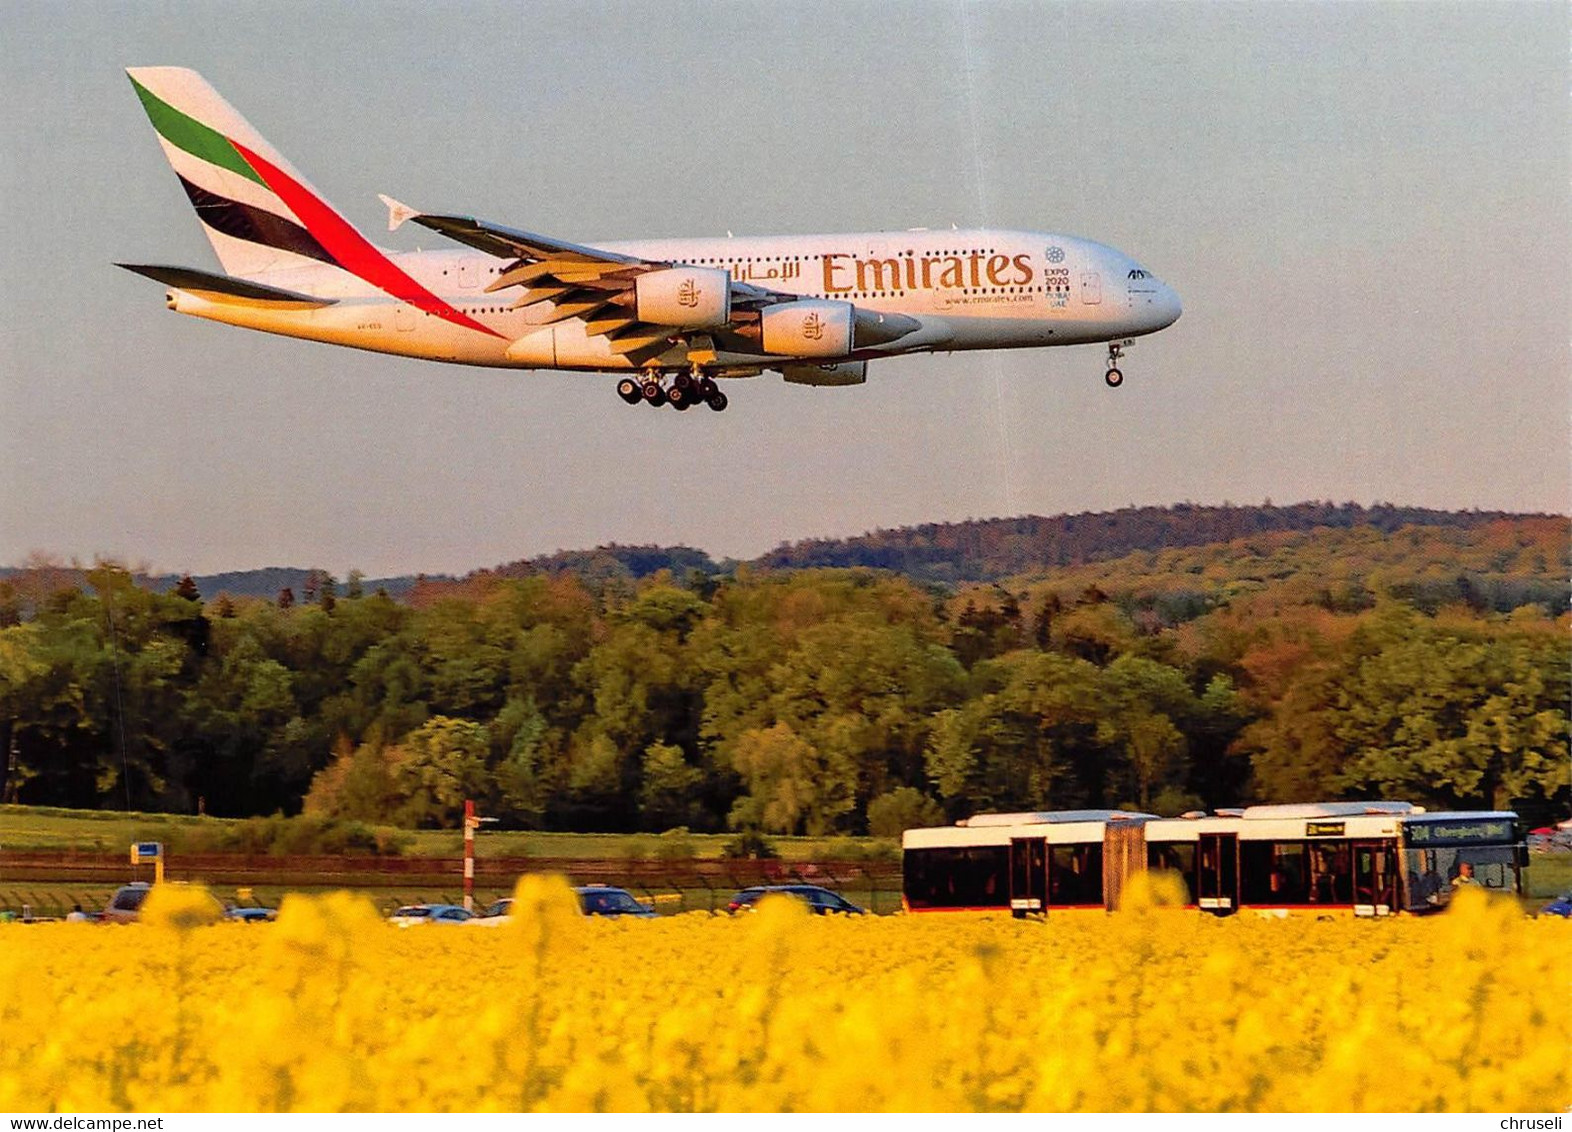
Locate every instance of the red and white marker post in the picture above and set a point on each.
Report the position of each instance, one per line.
(471, 823)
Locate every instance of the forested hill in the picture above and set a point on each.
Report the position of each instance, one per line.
(1381, 652)
(984, 550)
(615, 561)
(976, 550)
(595, 567)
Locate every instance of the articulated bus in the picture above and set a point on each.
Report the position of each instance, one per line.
(1345, 858)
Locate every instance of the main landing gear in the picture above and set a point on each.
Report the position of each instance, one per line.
(1113, 377)
(685, 391)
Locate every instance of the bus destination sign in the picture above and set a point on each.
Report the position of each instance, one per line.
(1476, 831)
(1324, 828)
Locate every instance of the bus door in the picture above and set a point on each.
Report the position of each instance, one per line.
(1217, 873)
(1375, 878)
(1028, 875)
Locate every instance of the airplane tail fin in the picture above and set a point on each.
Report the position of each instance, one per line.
(259, 213)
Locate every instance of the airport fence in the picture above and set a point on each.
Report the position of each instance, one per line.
(48, 883)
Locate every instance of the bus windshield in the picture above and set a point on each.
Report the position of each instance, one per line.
(1435, 875)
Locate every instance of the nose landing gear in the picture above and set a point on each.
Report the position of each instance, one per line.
(1113, 377)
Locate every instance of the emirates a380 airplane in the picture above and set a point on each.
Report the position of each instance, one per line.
(668, 316)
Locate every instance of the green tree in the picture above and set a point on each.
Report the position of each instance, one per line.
(1147, 704)
(1456, 719)
(890, 815)
(23, 669)
(437, 767)
(360, 784)
(668, 796)
(1017, 744)
(792, 787)
(525, 770)
(862, 692)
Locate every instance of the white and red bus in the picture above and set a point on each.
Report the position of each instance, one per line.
(1353, 858)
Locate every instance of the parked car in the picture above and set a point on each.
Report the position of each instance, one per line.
(125, 906)
(493, 915)
(1560, 906)
(412, 915)
(820, 901)
(251, 915)
(594, 900)
(602, 900)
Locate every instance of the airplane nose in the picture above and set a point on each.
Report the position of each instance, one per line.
(1169, 306)
(1153, 303)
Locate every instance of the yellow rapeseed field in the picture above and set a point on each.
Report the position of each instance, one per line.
(1149, 1009)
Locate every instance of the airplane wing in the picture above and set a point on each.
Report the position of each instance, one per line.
(563, 280)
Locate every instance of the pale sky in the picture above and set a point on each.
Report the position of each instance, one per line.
(1365, 208)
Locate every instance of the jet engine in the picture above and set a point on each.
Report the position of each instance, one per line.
(689, 298)
(808, 328)
(834, 373)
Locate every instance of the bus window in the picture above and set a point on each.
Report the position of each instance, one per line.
(1435, 874)
(1331, 873)
(1494, 866)
(969, 877)
(1075, 874)
(1176, 857)
(1273, 873)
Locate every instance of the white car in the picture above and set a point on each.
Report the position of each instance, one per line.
(497, 914)
(412, 915)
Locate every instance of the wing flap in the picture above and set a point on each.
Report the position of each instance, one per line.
(546, 313)
(607, 322)
(640, 339)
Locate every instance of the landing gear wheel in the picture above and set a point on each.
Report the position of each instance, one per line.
(680, 394)
(629, 391)
(717, 401)
(654, 394)
(683, 382)
(1113, 377)
(707, 388)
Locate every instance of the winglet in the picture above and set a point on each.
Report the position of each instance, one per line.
(398, 212)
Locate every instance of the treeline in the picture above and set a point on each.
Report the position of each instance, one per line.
(815, 701)
(995, 549)
(977, 550)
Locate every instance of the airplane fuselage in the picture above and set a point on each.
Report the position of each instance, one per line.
(972, 289)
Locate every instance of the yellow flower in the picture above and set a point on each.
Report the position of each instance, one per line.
(1154, 1008)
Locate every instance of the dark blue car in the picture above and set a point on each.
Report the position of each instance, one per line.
(820, 901)
(1560, 906)
(603, 900)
